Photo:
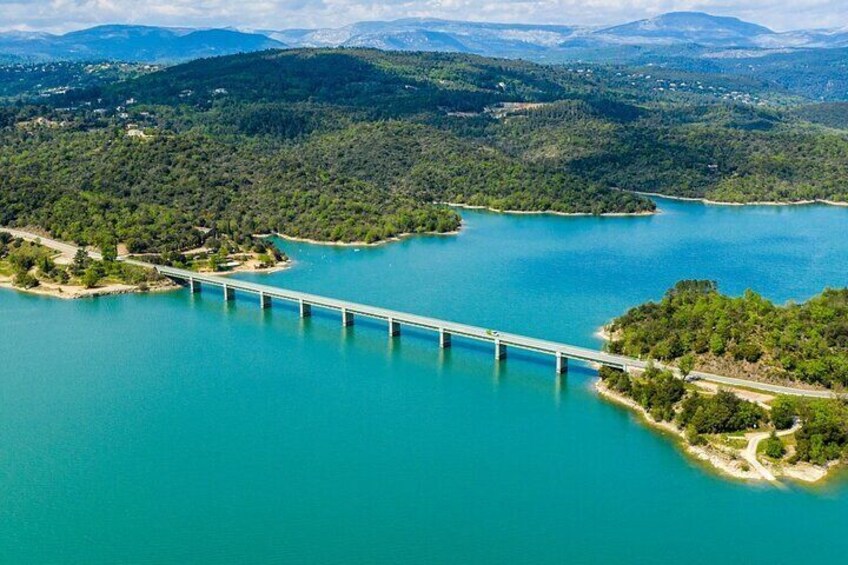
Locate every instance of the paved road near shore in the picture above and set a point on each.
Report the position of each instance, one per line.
(67, 249)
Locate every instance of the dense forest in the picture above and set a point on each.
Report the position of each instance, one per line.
(363, 145)
(805, 342)
(45, 79)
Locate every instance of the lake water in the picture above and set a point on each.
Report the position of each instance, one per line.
(177, 429)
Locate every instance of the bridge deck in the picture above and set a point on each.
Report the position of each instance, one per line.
(559, 350)
(435, 324)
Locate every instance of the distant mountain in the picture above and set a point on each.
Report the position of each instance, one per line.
(690, 41)
(816, 38)
(683, 37)
(688, 27)
(423, 34)
(811, 63)
(133, 43)
(669, 36)
(668, 30)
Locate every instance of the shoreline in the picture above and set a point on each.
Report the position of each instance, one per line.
(726, 463)
(249, 268)
(552, 212)
(394, 239)
(70, 292)
(709, 202)
(718, 461)
(283, 266)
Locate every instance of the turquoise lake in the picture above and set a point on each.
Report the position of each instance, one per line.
(175, 428)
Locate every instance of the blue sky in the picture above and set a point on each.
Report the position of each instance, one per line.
(64, 15)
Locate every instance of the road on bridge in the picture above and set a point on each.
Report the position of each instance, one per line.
(515, 340)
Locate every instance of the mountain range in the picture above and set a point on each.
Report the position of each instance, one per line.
(809, 63)
(689, 33)
(132, 43)
(672, 29)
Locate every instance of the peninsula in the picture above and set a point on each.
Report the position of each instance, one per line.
(750, 435)
(41, 265)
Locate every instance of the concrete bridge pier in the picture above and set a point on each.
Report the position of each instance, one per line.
(444, 338)
(193, 286)
(500, 350)
(229, 293)
(394, 328)
(264, 300)
(305, 309)
(561, 364)
(347, 318)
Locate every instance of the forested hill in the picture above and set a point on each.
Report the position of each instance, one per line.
(383, 83)
(745, 336)
(332, 145)
(356, 144)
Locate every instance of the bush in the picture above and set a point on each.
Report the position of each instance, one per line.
(23, 279)
(774, 447)
(693, 437)
(616, 380)
(264, 260)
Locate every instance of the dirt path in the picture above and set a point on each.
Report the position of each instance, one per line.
(750, 451)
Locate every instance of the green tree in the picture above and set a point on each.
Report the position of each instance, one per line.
(92, 276)
(773, 447)
(109, 251)
(686, 364)
(783, 412)
(823, 436)
(81, 261)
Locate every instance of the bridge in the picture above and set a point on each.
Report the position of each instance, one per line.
(395, 320)
(561, 352)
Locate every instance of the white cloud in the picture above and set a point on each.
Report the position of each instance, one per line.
(62, 15)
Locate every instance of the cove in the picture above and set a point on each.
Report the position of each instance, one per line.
(177, 429)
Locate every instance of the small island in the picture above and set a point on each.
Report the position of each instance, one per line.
(745, 434)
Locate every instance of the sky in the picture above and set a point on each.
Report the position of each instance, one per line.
(66, 15)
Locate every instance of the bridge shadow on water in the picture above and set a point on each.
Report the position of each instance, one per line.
(420, 346)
